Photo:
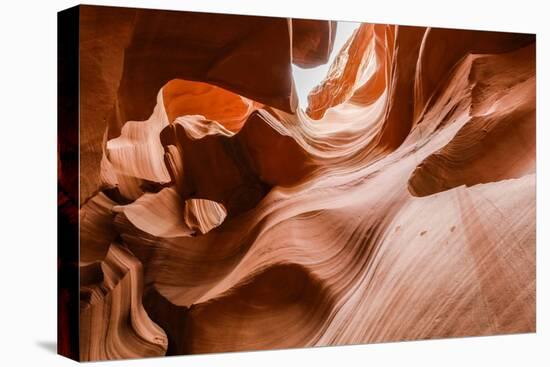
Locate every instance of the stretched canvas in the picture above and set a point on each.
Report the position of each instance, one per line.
(236, 183)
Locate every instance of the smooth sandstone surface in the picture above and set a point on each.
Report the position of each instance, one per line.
(399, 206)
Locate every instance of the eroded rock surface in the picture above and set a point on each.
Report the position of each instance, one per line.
(399, 206)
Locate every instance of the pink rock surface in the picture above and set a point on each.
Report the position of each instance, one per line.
(399, 206)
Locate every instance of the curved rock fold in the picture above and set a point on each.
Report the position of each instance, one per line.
(399, 205)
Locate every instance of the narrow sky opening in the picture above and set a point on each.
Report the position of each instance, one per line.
(306, 79)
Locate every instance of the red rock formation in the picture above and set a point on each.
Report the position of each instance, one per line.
(104, 34)
(398, 115)
(401, 206)
(312, 42)
(235, 171)
(120, 75)
(183, 97)
(435, 45)
(113, 323)
(500, 133)
(232, 61)
(96, 228)
(339, 83)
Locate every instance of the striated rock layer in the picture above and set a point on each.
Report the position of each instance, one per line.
(400, 205)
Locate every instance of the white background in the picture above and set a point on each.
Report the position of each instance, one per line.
(28, 182)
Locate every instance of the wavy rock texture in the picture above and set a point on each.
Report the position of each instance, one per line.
(399, 206)
(113, 323)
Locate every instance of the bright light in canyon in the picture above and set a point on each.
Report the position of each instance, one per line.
(306, 79)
